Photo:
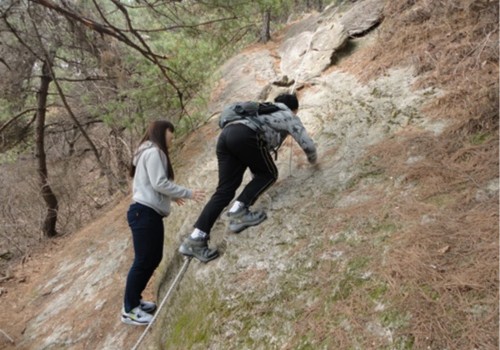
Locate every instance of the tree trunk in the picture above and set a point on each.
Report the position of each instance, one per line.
(49, 224)
(122, 156)
(319, 5)
(105, 170)
(265, 35)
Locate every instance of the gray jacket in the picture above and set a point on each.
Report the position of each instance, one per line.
(278, 125)
(151, 186)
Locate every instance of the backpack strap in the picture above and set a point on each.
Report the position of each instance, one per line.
(250, 111)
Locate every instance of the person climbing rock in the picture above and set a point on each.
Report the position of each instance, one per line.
(247, 143)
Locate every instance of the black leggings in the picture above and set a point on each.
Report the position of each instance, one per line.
(147, 235)
(238, 148)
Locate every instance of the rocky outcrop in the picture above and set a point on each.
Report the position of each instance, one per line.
(362, 17)
(310, 52)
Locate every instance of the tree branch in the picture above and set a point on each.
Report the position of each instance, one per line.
(98, 27)
(5, 64)
(13, 119)
(117, 34)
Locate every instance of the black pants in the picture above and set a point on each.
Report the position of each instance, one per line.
(147, 234)
(238, 148)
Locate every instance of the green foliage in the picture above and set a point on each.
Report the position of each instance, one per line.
(200, 38)
(394, 319)
(189, 40)
(480, 138)
(192, 326)
(8, 157)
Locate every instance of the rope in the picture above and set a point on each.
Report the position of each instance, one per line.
(167, 295)
(7, 336)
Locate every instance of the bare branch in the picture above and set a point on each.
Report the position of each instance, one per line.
(145, 50)
(96, 78)
(100, 28)
(13, 119)
(5, 63)
(18, 37)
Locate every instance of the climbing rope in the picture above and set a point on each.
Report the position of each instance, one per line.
(167, 295)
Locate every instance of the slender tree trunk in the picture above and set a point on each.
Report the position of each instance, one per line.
(122, 156)
(265, 35)
(319, 5)
(49, 224)
(105, 170)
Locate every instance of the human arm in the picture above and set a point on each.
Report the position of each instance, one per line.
(300, 135)
(197, 195)
(157, 174)
(287, 121)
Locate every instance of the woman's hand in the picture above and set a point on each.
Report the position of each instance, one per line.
(179, 201)
(198, 195)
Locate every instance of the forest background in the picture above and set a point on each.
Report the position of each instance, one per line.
(80, 82)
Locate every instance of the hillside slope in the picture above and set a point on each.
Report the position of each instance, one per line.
(391, 243)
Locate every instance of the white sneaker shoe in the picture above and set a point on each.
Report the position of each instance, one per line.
(137, 317)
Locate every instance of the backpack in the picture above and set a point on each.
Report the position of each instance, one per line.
(249, 110)
(246, 110)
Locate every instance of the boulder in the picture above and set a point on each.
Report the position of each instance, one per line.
(362, 17)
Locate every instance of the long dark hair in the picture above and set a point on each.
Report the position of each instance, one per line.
(156, 134)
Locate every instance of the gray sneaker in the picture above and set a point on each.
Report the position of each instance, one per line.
(137, 317)
(198, 248)
(245, 218)
(147, 306)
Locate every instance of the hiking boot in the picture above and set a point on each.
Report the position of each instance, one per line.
(198, 248)
(245, 218)
(137, 317)
(147, 306)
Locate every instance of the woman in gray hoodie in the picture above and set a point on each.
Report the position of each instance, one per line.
(153, 190)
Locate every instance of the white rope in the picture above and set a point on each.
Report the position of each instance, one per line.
(7, 336)
(167, 295)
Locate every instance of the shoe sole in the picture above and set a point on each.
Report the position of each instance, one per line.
(128, 320)
(149, 311)
(186, 252)
(237, 228)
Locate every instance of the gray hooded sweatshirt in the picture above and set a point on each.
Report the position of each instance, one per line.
(151, 186)
(278, 125)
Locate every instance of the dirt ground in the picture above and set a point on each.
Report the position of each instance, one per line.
(66, 265)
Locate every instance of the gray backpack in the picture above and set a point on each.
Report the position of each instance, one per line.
(246, 110)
